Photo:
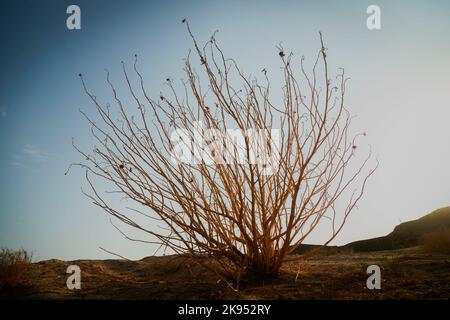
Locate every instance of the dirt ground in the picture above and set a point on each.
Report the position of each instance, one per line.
(406, 274)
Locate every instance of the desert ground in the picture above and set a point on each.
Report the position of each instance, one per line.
(406, 274)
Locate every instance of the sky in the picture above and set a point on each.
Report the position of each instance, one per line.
(400, 80)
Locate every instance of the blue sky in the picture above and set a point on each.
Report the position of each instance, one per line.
(400, 79)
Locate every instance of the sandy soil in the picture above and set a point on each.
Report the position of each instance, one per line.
(406, 274)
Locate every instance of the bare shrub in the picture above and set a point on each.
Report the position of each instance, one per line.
(14, 268)
(437, 241)
(231, 211)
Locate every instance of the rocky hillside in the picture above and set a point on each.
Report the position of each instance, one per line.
(407, 234)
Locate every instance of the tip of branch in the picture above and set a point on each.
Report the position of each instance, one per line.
(183, 21)
(321, 39)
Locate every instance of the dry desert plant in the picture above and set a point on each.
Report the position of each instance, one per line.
(14, 268)
(248, 215)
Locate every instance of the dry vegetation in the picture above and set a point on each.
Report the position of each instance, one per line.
(15, 268)
(437, 241)
(247, 215)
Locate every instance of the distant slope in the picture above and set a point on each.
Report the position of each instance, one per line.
(407, 234)
(304, 248)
